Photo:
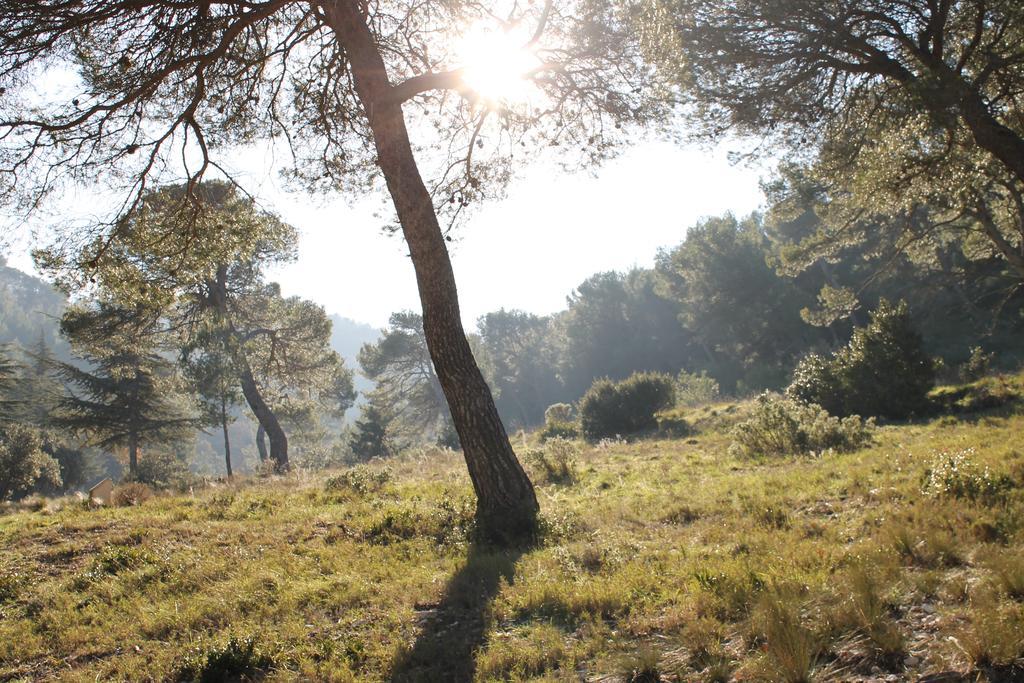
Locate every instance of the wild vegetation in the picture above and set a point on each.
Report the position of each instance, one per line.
(679, 557)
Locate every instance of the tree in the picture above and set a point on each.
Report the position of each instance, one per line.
(8, 371)
(337, 79)
(127, 397)
(521, 361)
(740, 313)
(209, 368)
(370, 438)
(899, 104)
(24, 467)
(203, 265)
(406, 387)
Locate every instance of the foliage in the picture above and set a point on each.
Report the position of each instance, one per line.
(559, 412)
(782, 426)
(983, 394)
(24, 467)
(955, 474)
(236, 659)
(131, 493)
(977, 365)
(371, 437)
(406, 387)
(556, 462)
(559, 430)
(883, 371)
(361, 480)
(694, 389)
(627, 407)
(129, 397)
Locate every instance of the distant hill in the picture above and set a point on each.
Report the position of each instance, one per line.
(30, 310)
(347, 337)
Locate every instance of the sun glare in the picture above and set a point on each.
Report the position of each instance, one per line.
(496, 65)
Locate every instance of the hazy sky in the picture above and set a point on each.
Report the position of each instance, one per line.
(527, 251)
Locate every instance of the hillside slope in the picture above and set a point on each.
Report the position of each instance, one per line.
(667, 559)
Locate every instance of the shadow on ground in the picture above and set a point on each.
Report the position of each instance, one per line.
(454, 629)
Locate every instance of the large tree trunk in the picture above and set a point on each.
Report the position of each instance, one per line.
(506, 504)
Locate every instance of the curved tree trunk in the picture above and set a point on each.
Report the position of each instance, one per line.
(506, 503)
(217, 291)
(267, 419)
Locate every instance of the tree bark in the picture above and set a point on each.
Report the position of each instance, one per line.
(133, 456)
(267, 419)
(506, 503)
(261, 442)
(227, 441)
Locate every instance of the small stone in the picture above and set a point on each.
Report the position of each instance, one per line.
(928, 608)
(876, 669)
(911, 661)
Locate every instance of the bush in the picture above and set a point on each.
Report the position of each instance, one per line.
(781, 426)
(696, 390)
(977, 366)
(131, 493)
(954, 474)
(612, 408)
(559, 430)
(360, 479)
(559, 412)
(161, 469)
(238, 659)
(556, 462)
(883, 371)
(24, 467)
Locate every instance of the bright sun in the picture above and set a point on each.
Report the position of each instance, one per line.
(496, 65)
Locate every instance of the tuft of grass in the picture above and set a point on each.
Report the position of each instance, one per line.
(236, 659)
(791, 649)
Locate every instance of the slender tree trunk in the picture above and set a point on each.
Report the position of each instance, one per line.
(506, 504)
(133, 456)
(261, 442)
(227, 441)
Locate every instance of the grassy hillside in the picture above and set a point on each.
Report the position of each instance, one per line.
(659, 558)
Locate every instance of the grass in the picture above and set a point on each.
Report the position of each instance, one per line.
(660, 558)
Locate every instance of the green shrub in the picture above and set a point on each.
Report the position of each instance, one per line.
(955, 474)
(237, 659)
(556, 462)
(883, 371)
(610, 408)
(696, 390)
(162, 469)
(359, 479)
(559, 430)
(781, 426)
(559, 412)
(977, 365)
(24, 467)
(673, 425)
(131, 493)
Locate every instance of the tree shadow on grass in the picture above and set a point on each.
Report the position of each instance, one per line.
(453, 630)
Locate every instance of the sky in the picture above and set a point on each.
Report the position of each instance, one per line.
(527, 251)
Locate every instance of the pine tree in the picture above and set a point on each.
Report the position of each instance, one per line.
(127, 397)
(370, 439)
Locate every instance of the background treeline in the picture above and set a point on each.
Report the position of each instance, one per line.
(738, 302)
